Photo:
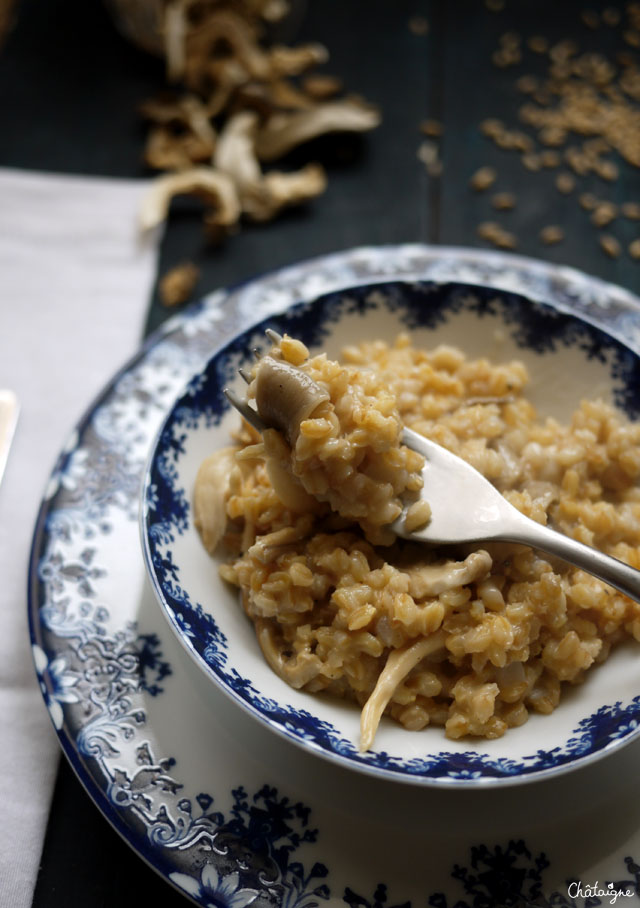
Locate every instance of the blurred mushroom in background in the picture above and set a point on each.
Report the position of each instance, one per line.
(7, 19)
(238, 100)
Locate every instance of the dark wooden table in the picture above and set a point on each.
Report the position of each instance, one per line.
(70, 86)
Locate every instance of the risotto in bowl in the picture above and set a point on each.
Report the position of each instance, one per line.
(273, 555)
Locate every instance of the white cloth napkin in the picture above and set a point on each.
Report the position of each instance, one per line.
(75, 281)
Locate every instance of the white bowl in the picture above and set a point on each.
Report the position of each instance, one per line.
(568, 359)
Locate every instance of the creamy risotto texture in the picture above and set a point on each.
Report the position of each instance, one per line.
(471, 639)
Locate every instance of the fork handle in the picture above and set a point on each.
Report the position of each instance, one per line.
(614, 572)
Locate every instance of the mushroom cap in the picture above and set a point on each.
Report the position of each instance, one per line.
(285, 396)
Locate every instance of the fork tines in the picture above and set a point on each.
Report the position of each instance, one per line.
(244, 409)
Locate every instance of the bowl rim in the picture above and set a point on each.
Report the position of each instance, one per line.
(388, 773)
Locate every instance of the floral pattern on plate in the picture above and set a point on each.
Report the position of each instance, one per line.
(222, 823)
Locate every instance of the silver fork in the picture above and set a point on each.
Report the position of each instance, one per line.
(242, 405)
(467, 508)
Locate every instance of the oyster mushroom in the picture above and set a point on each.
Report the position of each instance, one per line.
(217, 189)
(433, 579)
(287, 487)
(292, 61)
(398, 665)
(228, 29)
(234, 153)
(166, 150)
(181, 134)
(261, 195)
(284, 131)
(297, 670)
(210, 496)
(285, 396)
(276, 190)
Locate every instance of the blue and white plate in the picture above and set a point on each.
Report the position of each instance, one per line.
(228, 812)
(568, 359)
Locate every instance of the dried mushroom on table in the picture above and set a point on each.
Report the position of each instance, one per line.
(240, 103)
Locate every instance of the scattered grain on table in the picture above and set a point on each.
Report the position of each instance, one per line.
(491, 127)
(494, 233)
(538, 44)
(514, 140)
(428, 153)
(503, 201)
(418, 25)
(178, 284)
(483, 178)
(607, 170)
(580, 111)
(565, 182)
(631, 210)
(604, 213)
(509, 51)
(610, 245)
(431, 127)
(527, 84)
(553, 135)
(531, 161)
(587, 201)
(577, 160)
(550, 158)
(583, 106)
(551, 235)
